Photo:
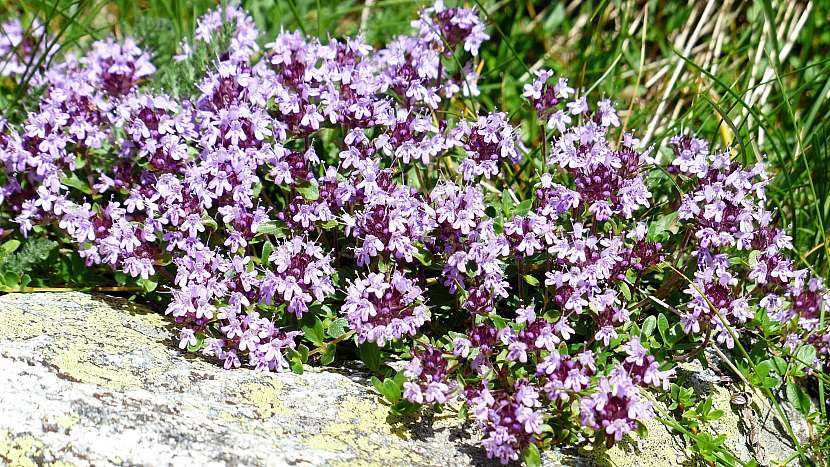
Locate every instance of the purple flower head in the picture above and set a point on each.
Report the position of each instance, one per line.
(117, 67)
(299, 273)
(452, 26)
(382, 310)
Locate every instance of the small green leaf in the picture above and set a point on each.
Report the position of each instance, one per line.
(267, 249)
(423, 256)
(337, 328)
(327, 357)
(314, 331)
(208, 221)
(149, 285)
(378, 384)
(121, 278)
(798, 398)
(73, 181)
(531, 456)
(11, 279)
(309, 191)
(625, 291)
(648, 325)
(200, 343)
(762, 369)
(657, 229)
(524, 207)
(273, 227)
(10, 246)
(531, 280)
(497, 320)
(296, 366)
(507, 203)
(369, 353)
(303, 350)
(391, 390)
(805, 355)
(663, 326)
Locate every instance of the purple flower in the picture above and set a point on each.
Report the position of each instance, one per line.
(381, 309)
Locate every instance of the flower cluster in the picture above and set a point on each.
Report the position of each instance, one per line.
(380, 310)
(725, 212)
(329, 194)
(301, 274)
(22, 48)
(615, 406)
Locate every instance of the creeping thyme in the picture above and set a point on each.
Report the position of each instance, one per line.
(305, 182)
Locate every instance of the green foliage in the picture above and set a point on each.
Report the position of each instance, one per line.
(20, 261)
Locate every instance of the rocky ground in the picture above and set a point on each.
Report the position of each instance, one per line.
(91, 380)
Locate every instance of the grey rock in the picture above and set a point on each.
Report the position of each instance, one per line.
(91, 380)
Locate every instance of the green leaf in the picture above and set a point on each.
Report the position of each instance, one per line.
(10, 246)
(625, 291)
(391, 390)
(208, 221)
(648, 325)
(507, 203)
(423, 256)
(327, 357)
(805, 355)
(73, 181)
(531, 280)
(11, 279)
(303, 350)
(762, 369)
(273, 227)
(313, 330)
(657, 229)
(337, 328)
(121, 278)
(497, 320)
(524, 207)
(267, 249)
(369, 353)
(200, 342)
(531, 456)
(663, 326)
(378, 384)
(753, 257)
(296, 366)
(149, 285)
(309, 191)
(798, 398)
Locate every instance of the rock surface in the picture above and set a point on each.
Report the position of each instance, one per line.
(91, 380)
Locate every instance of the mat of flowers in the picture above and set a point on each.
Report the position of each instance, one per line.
(313, 201)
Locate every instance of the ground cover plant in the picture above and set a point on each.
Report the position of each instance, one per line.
(535, 264)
